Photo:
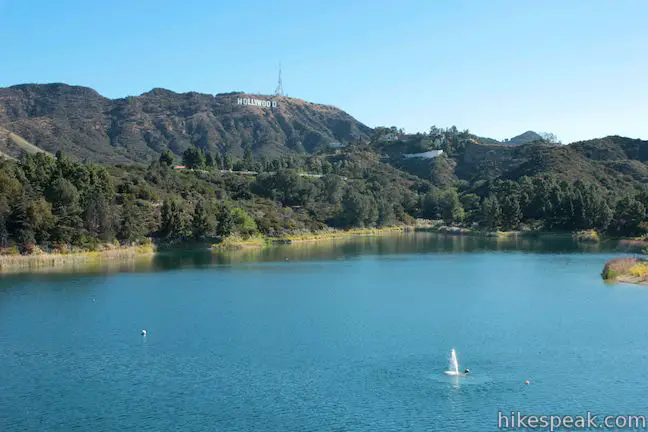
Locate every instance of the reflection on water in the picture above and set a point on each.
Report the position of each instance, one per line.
(341, 249)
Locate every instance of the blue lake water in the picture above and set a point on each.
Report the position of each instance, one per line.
(352, 336)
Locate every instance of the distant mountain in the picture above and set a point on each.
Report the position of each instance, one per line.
(525, 138)
(88, 126)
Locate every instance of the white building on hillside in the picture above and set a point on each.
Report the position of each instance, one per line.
(427, 155)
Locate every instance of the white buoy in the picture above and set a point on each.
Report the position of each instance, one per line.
(143, 332)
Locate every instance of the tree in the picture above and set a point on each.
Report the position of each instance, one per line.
(166, 158)
(41, 219)
(603, 216)
(131, 224)
(471, 203)
(4, 234)
(511, 212)
(450, 206)
(227, 162)
(218, 161)
(201, 222)
(248, 161)
(244, 223)
(358, 209)
(19, 226)
(430, 204)
(225, 225)
(65, 207)
(173, 225)
(491, 213)
(628, 215)
(97, 215)
(193, 158)
(549, 137)
(209, 160)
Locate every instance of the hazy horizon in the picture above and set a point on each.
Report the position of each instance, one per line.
(498, 68)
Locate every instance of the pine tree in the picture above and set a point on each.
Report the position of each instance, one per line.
(491, 213)
(193, 158)
(131, 226)
(209, 160)
(173, 222)
(225, 223)
(201, 223)
(451, 209)
(166, 158)
(511, 212)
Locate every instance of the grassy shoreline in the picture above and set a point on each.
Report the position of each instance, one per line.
(236, 242)
(16, 263)
(42, 261)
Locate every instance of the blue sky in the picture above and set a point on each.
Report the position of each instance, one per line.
(577, 68)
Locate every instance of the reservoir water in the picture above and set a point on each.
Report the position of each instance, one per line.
(343, 336)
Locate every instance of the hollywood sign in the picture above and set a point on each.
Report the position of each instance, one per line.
(257, 102)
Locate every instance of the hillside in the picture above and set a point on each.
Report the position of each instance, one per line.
(84, 124)
(525, 138)
(90, 127)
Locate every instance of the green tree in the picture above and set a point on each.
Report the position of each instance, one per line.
(248, 160)
(628, 215)
(193, 158)
(451, 210)
(431, 204)
(244, 224)
(227, 162)
(218, 161)
(4, 233)
(98, 215)
(41, 219)
(173, 225)
(202, 222)
(209, 160)
(358, 209)
(132, 221)
(19, 226)
(511, 212)
(225, 225)
(166, 158)
(491, 213)
(471, 203)
(64, 198)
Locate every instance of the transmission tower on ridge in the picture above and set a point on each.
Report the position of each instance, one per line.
(279, 90)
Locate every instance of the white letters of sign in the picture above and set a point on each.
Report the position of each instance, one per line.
(257, 102)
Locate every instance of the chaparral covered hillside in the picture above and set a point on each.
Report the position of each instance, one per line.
(88, 126)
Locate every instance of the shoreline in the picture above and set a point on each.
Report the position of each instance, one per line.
(255, 242)
(45, 261)
(626, 270)
(340, 234)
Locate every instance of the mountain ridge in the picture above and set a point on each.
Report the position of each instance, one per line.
(82, 122)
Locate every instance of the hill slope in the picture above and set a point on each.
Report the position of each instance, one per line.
(84, 124)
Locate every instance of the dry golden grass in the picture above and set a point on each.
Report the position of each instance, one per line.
(633, 270)
(12, 262)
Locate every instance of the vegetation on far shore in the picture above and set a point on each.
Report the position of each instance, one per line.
(12, 261)
(55, 204)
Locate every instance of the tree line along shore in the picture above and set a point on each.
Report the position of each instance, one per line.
(56, 205)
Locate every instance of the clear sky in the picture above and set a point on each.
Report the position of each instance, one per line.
(577, 68)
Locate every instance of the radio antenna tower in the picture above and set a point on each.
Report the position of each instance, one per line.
(279, 90)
